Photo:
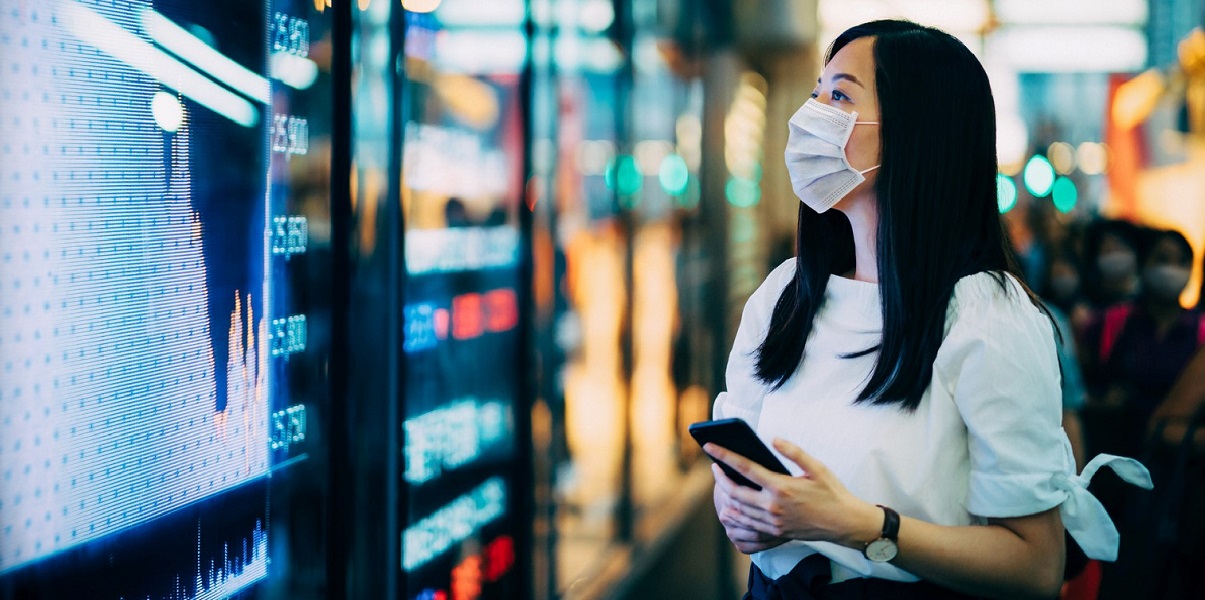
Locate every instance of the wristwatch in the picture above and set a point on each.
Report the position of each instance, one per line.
(885, 548)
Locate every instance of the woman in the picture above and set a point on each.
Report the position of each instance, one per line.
(902, 353)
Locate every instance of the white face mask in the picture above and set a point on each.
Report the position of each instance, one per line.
(1117, 264)
(1166, 281)
(820, 173)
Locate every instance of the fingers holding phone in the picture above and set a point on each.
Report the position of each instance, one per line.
(746, 539)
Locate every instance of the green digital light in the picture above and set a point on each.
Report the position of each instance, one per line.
(1006, 192)
(742, 193)
(1039, 176)
(1065, 195)
(689, 198)
(673, 174)
(623, 175)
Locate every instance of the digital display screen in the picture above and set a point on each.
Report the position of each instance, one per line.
(462, 181)
(163, 210)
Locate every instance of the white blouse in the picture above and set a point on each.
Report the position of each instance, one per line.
(986, 440)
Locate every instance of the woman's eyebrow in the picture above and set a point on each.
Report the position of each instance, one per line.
(847, 77)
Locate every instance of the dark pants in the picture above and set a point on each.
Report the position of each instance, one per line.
(809, 580)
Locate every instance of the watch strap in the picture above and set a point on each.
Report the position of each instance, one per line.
(891, 523)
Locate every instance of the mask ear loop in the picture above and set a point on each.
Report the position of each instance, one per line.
(867, 123)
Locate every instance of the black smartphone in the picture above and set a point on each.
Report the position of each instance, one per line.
(737, 436)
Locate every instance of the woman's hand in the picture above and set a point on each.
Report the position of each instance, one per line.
(815, 506)
(748, 541)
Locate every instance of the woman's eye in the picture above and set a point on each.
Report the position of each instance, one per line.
(815, 94)
(837, 95)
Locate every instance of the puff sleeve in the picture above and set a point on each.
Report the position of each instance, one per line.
(999, 360)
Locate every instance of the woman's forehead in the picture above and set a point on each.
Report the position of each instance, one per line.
(855, 59)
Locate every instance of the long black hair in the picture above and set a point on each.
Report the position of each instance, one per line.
(938, 215)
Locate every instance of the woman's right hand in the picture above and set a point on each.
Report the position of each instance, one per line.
(748, 541)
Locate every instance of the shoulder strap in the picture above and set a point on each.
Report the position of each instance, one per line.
(1115, 322)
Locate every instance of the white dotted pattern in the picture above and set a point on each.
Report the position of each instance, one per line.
(107, 395)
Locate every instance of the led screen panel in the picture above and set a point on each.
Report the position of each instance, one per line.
(462, 180)
(162, 195)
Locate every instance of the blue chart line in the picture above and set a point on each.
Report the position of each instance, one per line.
(233, 573)
(108, 392)
(216, 580)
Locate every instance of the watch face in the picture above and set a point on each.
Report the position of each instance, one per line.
(881, 550)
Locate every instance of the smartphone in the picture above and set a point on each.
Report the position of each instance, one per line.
(737, 436)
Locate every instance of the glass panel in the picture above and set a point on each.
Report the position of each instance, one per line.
(164, 197)
(462, 181)
(587, 421)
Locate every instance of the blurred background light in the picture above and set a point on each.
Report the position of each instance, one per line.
(674, 175)
(623, 175)
(650, 153)
(473, 13)
(1093, 158)
(744, 127)
(1039, 176)
(688, 130)
(1062, 157)
(167, 110)
(1012, 142)
(593, 156)
(954, 16)
(1065, 195)
(1136, 99)
(742, 193)
(1080, 12)
(481, 51)
(292, 70)
(1006, 193)
(418, 6)
(1069, 49)
(595, 16)
(594, 54)
(469, 99)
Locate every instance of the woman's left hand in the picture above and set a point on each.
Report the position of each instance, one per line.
(815, 506)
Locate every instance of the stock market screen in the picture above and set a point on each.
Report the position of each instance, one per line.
(164, 175)
(462, 184)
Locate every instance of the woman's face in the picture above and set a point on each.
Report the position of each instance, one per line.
(847, 83)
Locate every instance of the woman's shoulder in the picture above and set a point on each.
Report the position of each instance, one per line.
(772, 286)
(991, 314)
(782, 273)
(993, 297)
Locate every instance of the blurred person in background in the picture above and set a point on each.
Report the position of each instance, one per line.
(1164, 531)
(1062, 286)
(1139, 348)
(1110, 262)
(1071, 384)
(902, 350)
(1184, 406)
(1060, 280)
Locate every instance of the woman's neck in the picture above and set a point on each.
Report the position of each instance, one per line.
(863, 214)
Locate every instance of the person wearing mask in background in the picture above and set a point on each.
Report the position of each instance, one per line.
(1061, 295)
(1110, 273)
(1139, 348)
(1164, 530)
(1062, 288)
(904, 372)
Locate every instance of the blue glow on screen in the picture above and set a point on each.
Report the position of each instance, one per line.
(120, 400)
